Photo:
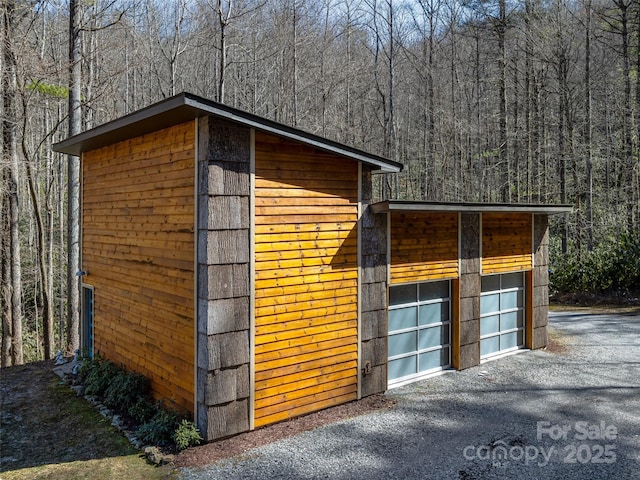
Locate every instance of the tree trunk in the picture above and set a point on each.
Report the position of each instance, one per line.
(294, 87)
(223, 21)
(636, 168)
(431, 143)
(528, 75)
(481, 174)
(503, 161)
(47, 305)
(5, 271)
(625, 174)
(5, 231)
(588, 130)
(10, 154)
(73, 179)
(561, 71)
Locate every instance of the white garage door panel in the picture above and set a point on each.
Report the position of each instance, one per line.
(419, 330)
(501, 314)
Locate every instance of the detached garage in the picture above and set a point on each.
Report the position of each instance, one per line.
(467, 283)
(246, 269)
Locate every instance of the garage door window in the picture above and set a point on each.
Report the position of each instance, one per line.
(501, 314)
(419, 330)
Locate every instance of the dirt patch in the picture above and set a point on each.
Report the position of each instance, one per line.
(556, 342)
(209, 453)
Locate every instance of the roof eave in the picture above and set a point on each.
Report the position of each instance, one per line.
(184, 107)
(468, 207)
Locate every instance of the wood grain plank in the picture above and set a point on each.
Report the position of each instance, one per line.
(312, 368)
(305, 278)
(304, 337)
(266, 417)
(313, 313)
(303, 358)
(270, 310)
(138, 244)
(424, 246)
(284, 393)
(506, 242)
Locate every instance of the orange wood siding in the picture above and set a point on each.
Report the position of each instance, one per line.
(306, 214)
(424, 246)
(138, 245)
(506, 242)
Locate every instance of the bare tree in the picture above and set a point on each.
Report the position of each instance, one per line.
(73, 178)
(588, 126)
(13, 298)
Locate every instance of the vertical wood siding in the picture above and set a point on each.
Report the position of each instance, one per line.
(506, 242)
(306, 214)
(424, 246)
(138, 245)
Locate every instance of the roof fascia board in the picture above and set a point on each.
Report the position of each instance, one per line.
(404, 206)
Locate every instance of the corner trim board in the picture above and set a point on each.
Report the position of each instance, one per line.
(252, 277)
(359, 284)
(196, 230)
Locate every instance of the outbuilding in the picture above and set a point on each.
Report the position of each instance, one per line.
(244, 267)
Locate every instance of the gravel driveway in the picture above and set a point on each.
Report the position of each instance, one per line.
(570, 414)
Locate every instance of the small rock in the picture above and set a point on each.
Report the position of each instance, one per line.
(79, 389)
(153, 455)
(133, 440)
(156, 457)
(60, 360)
(116, 421)
(105, 412)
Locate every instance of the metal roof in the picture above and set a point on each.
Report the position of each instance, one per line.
(468, 207)
(186, 106)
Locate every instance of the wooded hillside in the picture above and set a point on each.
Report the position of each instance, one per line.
(482, 100)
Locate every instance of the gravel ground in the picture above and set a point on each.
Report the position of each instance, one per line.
(569, 413)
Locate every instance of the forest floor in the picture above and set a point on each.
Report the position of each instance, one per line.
(46, 431)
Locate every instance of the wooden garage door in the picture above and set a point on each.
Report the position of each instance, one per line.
(305, 280)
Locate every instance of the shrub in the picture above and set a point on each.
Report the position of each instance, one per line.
(186, 435)
(612, 267)
(159, 430)
(129, 393)
(125, 390)
(97, 374)
(143, 410)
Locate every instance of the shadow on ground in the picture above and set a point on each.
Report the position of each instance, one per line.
(43, 422)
